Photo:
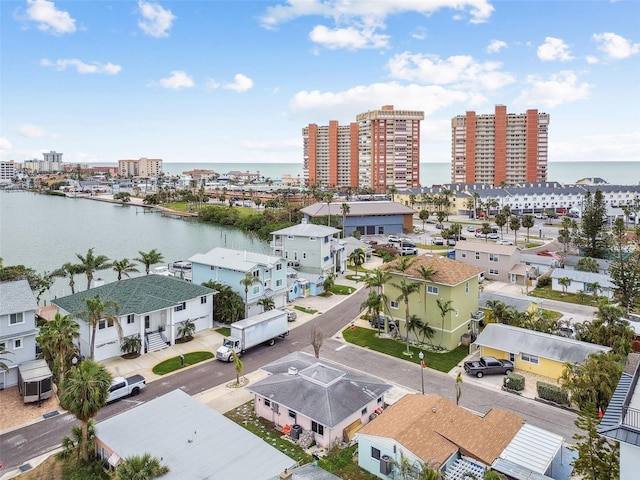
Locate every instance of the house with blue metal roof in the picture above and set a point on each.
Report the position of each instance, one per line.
(579, 281)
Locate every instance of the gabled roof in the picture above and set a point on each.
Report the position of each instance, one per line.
(307, 230)
(358, 209)
(239, 260)
(434, 429)
(586, 277)
(486, 247)
(193, 440)
(448, 272)
(323, 391)
(553, 347)
(519, 303)
(16, 297)
(572, 261)
(137, 295)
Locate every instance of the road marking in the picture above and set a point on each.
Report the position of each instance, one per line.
(340, 348)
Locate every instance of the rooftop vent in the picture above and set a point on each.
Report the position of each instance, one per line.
(292, 371)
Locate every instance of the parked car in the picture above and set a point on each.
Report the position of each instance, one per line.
(438, 241)
(407, 243)
(480, 235)
(439, 226)
(408, 251)
(123, 387)
(394, 239)
(568, 332)
(291, 314)
(488, 366)
(380, 322)
(471, 228)
(451, 242)
(504, 242)
(493, 236)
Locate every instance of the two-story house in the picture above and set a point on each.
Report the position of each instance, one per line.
(499, 262)
(152, 307)
(230, 267)
(314, 251)
(17, 328)
(452, 281)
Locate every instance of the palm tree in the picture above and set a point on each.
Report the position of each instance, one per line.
(500, 312)
(445, 308)
(149, 258)
(373, 304)
(406, 289)
(426, 274)
(70, 270)
(124, 267)
(378, 280)
(345, 210)
(136, 467)
(501, 221)
(131, 344)
(248, 280)
(267, 303)
(91, 263)
(73, 444)
(564, 283)
(527, 222)
(238, 364)
(4, 351)
(514, 224)
(403, 264)
(426, 332)
(357, 258)
(187, 329)
(56, 339)
(98, 310)
(84, 392)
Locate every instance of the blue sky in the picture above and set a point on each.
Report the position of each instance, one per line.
(236, 81)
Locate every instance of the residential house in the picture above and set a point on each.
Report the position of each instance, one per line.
(153, 307)
(570, 262)
(516, 302)
(540, 264)
(499, 262)
(352, 243)
(314, 251)
(621, 420)
(453, 281)
(310, 394)
(230, 267)
(193, 440)
(367, 217)
(431, 430)
(579, 281)
(17, 328)
(536, 352)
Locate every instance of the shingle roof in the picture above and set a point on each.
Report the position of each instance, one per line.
(321, 390)
(239, 260)
(433, 428)
(486, 247)
(137, 295)
(448, 272)
(357, 209)
(16, 297)
(554, 347)
(587, 277)
(307, 230)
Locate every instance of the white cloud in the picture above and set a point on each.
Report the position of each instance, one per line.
(495, 46)
(419, 33)
(156, 21)
(241, 83)
(5, 144)
(591, 59)
(562, 87)
(615, 46)
(554, 49)
(463, 70)
(350, 38)
(81, 67)
(177, 80)
(604, 147)
(31, 131)
(49, 18)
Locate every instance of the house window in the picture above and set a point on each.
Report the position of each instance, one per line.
(203, 300)
(527, 357)
(16, 318)
(312, 239)
(267, 402)
(17, 343)
(326, 239)
(102, 324)
(493, 257)
(375, 453)
(279, 283)
(477, 255)
(466, 287)
(109, 322)
(286, 254)
(289, 237)
(363, 411)
(130, 318)
(3, 345)
(433, 290)
(394, 304)
(493, 271)
(463, 253)
(147, 321)
(180, 307)
(279, 266)
(512, 357)
(317, 428)
(256, 289)
(304, 254)
(256, 273)
(292, 415)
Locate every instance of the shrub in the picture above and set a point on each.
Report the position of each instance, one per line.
(544, 281)
(514, 381)
(553, 393)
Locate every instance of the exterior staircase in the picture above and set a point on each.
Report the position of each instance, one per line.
(154, 341)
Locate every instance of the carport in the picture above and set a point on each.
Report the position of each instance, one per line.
(34, 381)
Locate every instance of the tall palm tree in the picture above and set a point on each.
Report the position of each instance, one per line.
(267, 303)
(248, 280)
(357, 258)
(84, 392)
(92, 263)
(98, 310)
(373, 304)
(527, 222)
(70, 270)
(426, 274)
(377, 280)
(345, 210)
(56, 339)
(403, 263)
(406, 289)
(140, 467)
(124, 267)
(500, 312)
(149, 258)
(445, 308)
(514, 224)
(238, 364)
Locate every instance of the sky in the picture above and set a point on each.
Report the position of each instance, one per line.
(237, 81)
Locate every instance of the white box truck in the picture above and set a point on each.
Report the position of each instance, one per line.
(262, 328)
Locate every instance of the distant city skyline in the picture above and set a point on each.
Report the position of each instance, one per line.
(236, 82)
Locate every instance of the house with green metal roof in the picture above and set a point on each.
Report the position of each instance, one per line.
(152, 307)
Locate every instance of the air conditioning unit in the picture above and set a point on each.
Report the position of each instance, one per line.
(385, 464)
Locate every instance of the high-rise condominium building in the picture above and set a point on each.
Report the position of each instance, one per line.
(52, 156)
(145, 167)
(389, 149)
(500, 147)
(330, 155)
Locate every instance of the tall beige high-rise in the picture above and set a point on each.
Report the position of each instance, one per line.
(500, 147)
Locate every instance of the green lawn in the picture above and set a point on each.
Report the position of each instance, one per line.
(224, 331)
(546, 292)
(305, 309)
(366, 337)
(173, 364)
(342, 290)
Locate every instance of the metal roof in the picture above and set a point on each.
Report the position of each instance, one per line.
(533, 448)
(193, 440)
(554, 347)
(518, 472)
(358, 209)
(307, 230)
(521, 304)
(239, 260)
(16, 297)
(34, 371)
(580, 276)
(613, 424)
(309, 472)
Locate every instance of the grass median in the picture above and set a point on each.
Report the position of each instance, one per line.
(176, 363)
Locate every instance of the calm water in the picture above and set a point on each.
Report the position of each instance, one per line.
(44, 232)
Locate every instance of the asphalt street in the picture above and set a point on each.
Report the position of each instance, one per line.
(18, 446)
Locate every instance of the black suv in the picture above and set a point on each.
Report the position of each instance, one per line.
(379, 322)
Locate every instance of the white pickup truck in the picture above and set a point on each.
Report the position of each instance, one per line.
(123, 387)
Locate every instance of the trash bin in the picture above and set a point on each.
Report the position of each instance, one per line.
(296, 430)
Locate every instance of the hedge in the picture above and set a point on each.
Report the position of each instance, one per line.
(515, 382)
(544, 281)
(553, 393)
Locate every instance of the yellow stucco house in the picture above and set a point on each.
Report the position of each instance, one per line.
(536, 352)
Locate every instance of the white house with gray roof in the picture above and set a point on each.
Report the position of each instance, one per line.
(499, 262)
(323, 397)
(230, 267)
(17, 328)
(579, 281)
(192, 439)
